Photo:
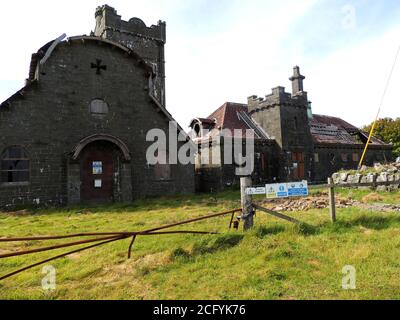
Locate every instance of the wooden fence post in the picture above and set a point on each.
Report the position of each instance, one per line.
(247, 207)
(332, 206)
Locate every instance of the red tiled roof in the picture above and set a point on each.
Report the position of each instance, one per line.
(226, 116)
(234, 116)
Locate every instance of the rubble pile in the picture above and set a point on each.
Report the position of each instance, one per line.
(321, 202)
(304, 204)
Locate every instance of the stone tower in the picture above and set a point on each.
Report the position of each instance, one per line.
(284, 116)
(148, 42)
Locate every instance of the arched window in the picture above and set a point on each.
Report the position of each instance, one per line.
(14, 165)
(162, 169)
(99, 108)
(197, 130)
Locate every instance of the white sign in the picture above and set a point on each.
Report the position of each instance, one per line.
(281, 190)
(97, 183)
(276, 190)
(298, 189)
(251, 191)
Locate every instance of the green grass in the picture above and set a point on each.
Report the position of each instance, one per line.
(366, 195)
(276, 260)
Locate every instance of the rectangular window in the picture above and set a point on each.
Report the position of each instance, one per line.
(14, 166)
(316, 157)
(344, 157)
(356, 157)
(14, 176)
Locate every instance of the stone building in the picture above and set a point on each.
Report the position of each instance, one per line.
(291, 143)
(76, 132)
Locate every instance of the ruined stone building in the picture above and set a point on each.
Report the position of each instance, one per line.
(76, 132)
(291, 143)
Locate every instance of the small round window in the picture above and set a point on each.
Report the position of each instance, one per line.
(99, 108)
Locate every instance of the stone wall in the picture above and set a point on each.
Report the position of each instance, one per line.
(218, 178)
(338, 157)
(284, 117)
(52, 116)
(378, 173)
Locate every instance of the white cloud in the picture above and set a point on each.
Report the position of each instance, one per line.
(245, 48)
(350, 83)
(204, 72)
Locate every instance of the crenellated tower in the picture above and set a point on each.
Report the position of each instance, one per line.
(285, 117)
(148, 42)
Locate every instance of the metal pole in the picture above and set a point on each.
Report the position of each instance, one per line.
(247, 207)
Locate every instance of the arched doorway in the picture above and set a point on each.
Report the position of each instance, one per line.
(98, 168)
(101, 164)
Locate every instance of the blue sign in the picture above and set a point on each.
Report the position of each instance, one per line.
(282, 191)
(298, 189)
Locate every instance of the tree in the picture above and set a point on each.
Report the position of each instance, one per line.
(387, 130)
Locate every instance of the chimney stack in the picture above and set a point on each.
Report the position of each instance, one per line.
(297, 81)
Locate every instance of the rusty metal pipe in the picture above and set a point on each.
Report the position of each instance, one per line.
(71, 244)
(96, 234)
(117, 233)
(232, 217)
(114, 237)
(60, 256)
(193, 220)
(175, 232)
(130, 246)
(65, 245)
(63, 237)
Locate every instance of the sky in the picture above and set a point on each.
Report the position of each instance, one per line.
(227, 50)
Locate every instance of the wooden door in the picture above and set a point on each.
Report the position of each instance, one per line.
(299, 168)
(97, 174)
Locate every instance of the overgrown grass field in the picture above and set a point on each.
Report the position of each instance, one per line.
(276, 260)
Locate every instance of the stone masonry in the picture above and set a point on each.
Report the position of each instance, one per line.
(90, 91)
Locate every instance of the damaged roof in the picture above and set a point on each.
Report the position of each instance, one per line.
(324, 129)
(36, 57)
